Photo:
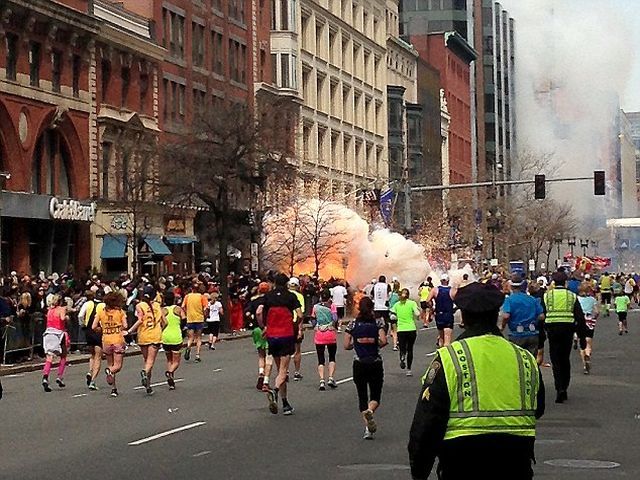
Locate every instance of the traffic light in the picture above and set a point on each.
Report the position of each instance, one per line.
(540, 187)
(598, 182)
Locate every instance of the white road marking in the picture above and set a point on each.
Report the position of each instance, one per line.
(157, 384)
(201, 454)
(14, 375)
(167, 433)
(308, 353)
(80, 395)
(432, 353)
(217, 370)
(344, 380)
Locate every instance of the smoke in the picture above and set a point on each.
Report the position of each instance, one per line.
(573, 62)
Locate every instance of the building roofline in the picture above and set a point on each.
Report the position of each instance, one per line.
(458, 45)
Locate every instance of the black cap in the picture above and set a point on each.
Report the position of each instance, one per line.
(479, 298)
(559, 277)
(517, 279)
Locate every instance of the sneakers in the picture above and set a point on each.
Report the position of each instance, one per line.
(260, 382)
(272, 397)
(368, 435)
(265, 387)
(60, 382)
(144, 379)
(409, 373)
(620, 332)
(425, 327)
(114, 392)
(211, 347)
(371, 423)
(170, 381)
(297, 376)
(288, 410)
(587, 364)
(322, 386)
(197, 360)
(561, 397)
(45, 384)
(332, 383)
(150, 391)
(92, 386)
(187, 354)
(89, 379)
(110, 377)
(402, 363)
(395, 348)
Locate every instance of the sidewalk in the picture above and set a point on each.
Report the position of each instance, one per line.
(77, 358)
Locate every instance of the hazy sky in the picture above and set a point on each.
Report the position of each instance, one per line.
(623, 15)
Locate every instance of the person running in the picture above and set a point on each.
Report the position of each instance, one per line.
(339, 299)
(215, 310)
(111, 322)
(443, 310)
(294, 287)
(276, 314)
(87, 314)
(55, 341)
(394, 296)
(523, 313)
(423, 292)
(366, 335)
(325, 320)
(622, 308)
(589, 306)
(172, 336)
(265, 361)
(406, 311)
(380, 294)
(194, 304)
(629, 287)
(606, 284)
(149, 324)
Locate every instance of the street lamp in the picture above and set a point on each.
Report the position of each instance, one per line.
(594, 244)
(558, 241)
(571, 241)
(584, 244)
(3, 176)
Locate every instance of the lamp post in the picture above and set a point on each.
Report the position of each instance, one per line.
(3, 176)
(571, 241)
(594, 244)
(558, 241)
(584, 244)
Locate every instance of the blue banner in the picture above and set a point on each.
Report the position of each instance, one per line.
(386, 205)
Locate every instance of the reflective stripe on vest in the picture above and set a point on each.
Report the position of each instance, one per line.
(559, 304)
(493, 387)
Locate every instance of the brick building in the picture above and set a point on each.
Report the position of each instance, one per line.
(45, 107)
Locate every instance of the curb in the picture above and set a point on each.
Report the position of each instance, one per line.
(34, 367)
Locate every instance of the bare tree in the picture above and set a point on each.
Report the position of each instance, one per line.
(283, 239)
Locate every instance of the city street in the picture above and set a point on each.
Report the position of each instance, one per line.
(216, 425)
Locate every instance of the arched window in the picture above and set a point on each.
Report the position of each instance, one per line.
(50, 165)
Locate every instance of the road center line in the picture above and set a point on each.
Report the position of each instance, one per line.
(167, 433)
(217, 370)
(14, 375)
(431, 353)
(80, 395)
(158, 384)
(308, 353)
(201, 454)
(344, 380)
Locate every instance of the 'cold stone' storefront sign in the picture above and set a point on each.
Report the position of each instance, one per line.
(72, 210)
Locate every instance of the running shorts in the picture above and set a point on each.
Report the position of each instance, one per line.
(213, 328)
(93, 339)
(424, 306)
(172, 348)
(196, 326)
(385, 315)
(281, 346)
(444, 320)
(606, 298)
(113, 349)
(341, 312)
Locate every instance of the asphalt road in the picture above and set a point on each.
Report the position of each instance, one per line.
(229, 433)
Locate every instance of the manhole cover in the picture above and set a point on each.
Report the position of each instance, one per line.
(370, 467)
(597, 464)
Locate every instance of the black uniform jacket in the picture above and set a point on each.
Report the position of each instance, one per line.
(494, 456)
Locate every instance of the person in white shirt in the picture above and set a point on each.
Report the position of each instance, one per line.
(213, 319)
(368, 289)
(381, 292)
(338, 297)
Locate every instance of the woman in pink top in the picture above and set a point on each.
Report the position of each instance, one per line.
(55, 341)
(324, 320)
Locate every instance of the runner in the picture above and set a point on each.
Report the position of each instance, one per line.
(213, 319)
(194, 304)
(324, 320)
(622, 307)
(265, 361)
(149, 324)
(589, 306)
(87, 314)
(406, 311)
(276, 312)
(423, 292)
(111, 322)
(443, 310)
(366, 335)
(172, 336)
(338, 298)
(294, 287)
(381, 292)
(606, 282)
(55, 341)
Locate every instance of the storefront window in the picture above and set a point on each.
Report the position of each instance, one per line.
(51, 159)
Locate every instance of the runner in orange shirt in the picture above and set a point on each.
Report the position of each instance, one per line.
(195, 304)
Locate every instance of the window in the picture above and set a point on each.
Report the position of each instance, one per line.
(144, 90)
(50, 174)
(56, 70)
(125, 76)
(106, 77)
(197, 45)
(75, 67)
(34, 64)
(216, 5)
(284, 71)
(106, 163)
(12, 56)
(395, 115)
(284, 15)
(174, 30)
(274, 69)
(166, 104)
(181, 92)
(217, 53)
(236, 10)
(199, 101)
(238, 61)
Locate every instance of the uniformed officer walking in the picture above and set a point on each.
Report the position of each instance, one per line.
(563, 316)
(479, 402)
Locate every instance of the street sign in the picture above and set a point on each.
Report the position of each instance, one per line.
(517, 267)
(494, 262)
(254, 257)
(532, 265)
(622, 244)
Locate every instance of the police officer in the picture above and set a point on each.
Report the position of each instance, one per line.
(563, 316)
(479, 402)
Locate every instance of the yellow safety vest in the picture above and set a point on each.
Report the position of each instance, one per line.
(493, 387)
(559, 305)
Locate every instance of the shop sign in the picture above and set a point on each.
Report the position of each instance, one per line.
(175, 225)
(72, 210)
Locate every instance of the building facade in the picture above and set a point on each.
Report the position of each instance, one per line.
(627, 159)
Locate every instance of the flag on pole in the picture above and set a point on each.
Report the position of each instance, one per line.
(386, 205)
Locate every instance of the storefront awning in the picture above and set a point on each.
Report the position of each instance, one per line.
(114, 246)
(157, 246)
(181, 240)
